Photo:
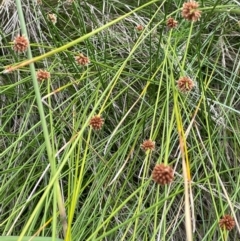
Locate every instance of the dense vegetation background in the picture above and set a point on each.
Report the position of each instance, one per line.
(60, 173)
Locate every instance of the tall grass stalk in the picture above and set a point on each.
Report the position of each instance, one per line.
(57, 197)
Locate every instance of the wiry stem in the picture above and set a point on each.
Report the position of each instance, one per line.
(50, 153)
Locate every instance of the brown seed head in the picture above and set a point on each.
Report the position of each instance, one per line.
(190, 11)
(96, 122)
(227, 222)
(20, 44)
(185, 84)
(172, 23)
(42, 75)
(148, 145)
(162, 174)
(82, 60)
(139, 27)
(52, 17)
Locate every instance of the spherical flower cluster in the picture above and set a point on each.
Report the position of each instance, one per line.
(162, 174)
(148, 145)
(42, 75)
(227, 222)
(190, 11)
(96, 122)
(185, 84)
(52, 17)
(139, 27)
(172, 23)
(82, 60)
(20, 44)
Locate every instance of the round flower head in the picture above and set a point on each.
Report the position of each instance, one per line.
(42, 75)
(190, 11)
(185, 84)
(82, 60)
(227, 222)
(172, 23)
(96, 122)
(162, 174)
(148, 145)
(20, 44)
(52, 17)
(139, 27)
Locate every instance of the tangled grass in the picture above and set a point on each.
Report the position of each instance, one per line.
(62, 178)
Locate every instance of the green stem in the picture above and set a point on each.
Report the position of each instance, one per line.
(222, 9)
(57, 191)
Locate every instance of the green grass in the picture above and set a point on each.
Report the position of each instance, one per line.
(60, 178)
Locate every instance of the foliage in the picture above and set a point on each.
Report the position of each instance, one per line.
(57, 172)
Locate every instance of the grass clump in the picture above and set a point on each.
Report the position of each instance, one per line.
(103, 101)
